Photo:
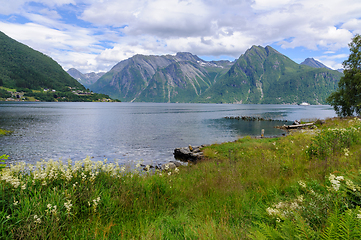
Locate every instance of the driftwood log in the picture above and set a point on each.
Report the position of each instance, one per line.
(296, 126)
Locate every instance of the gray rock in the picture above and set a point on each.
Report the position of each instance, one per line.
(168, 166)
(188, 153)
(178, 164)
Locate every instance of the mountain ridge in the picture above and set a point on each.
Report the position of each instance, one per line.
(129, 78)
(260, 75)
(263, 75)
(314, 63)
(86, 79)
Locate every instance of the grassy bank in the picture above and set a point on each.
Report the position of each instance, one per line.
(305, 185)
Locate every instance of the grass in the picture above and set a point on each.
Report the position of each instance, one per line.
(271, 188)
(8, 89)
(4, 132)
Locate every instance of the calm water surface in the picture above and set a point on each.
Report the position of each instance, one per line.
(126, 132)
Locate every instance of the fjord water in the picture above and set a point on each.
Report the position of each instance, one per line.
(130, 132)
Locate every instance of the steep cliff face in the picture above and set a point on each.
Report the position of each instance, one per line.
(178, 82)
(140, 78)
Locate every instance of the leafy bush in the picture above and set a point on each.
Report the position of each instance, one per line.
(333, 141)
(340, 218)
(4, 93)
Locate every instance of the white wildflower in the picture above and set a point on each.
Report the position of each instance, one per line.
(294, 205)
(95, 203)
(280, 205)
(340, 178)
(37, 219)
(335, 181)
(351, 185)
(147, 168)
(68, 206)
(359, 214)
(272, 211)
(302, 184)
(54, 210)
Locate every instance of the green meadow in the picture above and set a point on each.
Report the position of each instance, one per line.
(306, 185)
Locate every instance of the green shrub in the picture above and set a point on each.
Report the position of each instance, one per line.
(333, 141)
(4, 93)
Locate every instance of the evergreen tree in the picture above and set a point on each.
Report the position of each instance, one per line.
(346, 100)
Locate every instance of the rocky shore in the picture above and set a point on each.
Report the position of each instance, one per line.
(184, 154)
(189, 153)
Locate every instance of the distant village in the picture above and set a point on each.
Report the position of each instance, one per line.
(19, 96)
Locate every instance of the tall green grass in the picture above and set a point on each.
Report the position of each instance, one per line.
(270, 188)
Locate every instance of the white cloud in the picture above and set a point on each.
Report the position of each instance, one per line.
(203, 27)
(270, 4)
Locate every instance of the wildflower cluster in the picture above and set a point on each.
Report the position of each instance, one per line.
(68, 206)
(283, 210)
(47, 172)
(8, 177)
(37, 219)
(94, 203)
(314, 204)
(335, 182)
(333, 140)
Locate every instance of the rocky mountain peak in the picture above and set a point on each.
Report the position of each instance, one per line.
(186, 56)
(314, 63)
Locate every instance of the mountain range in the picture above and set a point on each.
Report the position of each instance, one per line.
(260, 75)
(85, 79)
(169, 78)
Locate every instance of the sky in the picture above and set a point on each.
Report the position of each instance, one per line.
(94, 35)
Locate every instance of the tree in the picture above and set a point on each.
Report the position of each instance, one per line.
(346, 100)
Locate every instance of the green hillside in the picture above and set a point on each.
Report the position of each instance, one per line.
(23, 67)
(263, 75)
(26, 74)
